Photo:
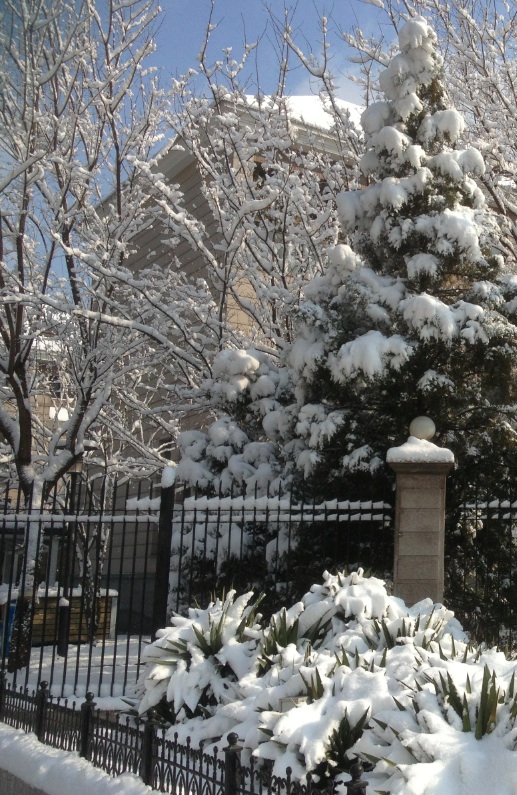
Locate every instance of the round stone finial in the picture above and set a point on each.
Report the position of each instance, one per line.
(422, 428)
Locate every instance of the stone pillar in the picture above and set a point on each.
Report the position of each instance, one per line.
(421, 469)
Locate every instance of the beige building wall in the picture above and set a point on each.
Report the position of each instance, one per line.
(152, 245)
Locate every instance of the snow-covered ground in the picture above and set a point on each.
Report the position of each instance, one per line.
(109, 671)
(58, 772)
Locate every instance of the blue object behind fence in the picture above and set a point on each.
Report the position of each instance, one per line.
(5, 634)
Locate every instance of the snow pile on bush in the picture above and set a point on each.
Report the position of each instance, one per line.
(225, 456)
(347, 671)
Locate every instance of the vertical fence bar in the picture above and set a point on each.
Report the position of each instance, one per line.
(277, 577)
(37, 578)
(12, 583)
(117, 547)
(94, 617)
(120, 573)
(52, 575)
(145, 618)
(3, 685)
(21, 636)
(104, 603)
(218, 518)
(78, 560)
(64, 607)
(192, 552)
(134, 558)
(511, 616)
(108, 577)
(14, 664)
(92, 580)
(179, 548)
(163, 553)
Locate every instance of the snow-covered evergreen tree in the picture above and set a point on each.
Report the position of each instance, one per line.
(479, 42)
(425, 323)
(416, 316)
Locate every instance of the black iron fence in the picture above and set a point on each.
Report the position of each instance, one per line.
(91, 572)
(481, 555)
(76, 585)
(277, 544)
(127, 744)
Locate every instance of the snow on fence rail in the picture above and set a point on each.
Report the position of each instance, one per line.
(280, 509)
(11, 521)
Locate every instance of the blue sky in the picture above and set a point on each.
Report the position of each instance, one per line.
(184, 22)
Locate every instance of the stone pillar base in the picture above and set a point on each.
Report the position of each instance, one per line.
(420, 521)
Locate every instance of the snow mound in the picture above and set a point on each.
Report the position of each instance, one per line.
(347, 671)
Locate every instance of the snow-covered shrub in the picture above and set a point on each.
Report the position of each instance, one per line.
(239, 451)
(219, 670)
(452, 730)
(196, 664)
(347, 672)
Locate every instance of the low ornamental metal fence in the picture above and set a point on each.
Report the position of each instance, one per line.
(127, 744)
(95, 569)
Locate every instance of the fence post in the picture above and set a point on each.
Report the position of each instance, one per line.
(3, 684)
(421, 468)
(148, 748)
(87, 709)
(356, 786)
(232, 765)
(41, 709)
(163, 559)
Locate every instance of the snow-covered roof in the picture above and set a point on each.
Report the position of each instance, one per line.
(310, 110)
(307, 111)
